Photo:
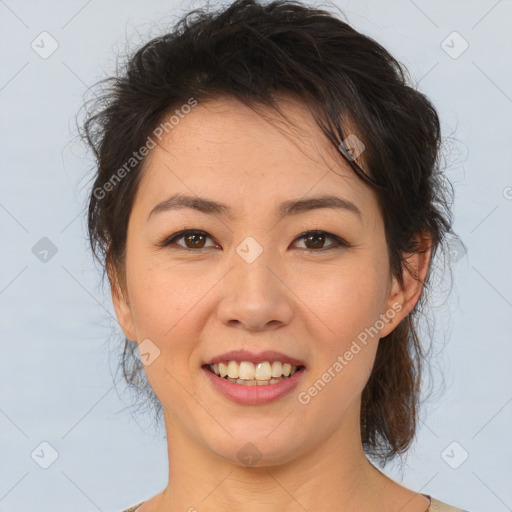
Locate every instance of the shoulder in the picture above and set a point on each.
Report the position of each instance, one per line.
(439, 506)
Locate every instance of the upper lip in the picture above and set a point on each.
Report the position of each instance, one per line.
(260, 357)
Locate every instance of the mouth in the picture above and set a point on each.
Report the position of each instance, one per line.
(247, 373)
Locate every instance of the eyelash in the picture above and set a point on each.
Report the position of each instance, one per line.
(338, 242)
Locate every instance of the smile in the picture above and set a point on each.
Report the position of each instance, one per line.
(247, 373)
(253, 384)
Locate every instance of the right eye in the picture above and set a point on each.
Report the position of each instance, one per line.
(195, 237)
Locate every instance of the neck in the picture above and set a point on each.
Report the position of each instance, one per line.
(333, 472)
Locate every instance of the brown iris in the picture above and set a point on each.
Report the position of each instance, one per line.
(196, 240)
(319, 239)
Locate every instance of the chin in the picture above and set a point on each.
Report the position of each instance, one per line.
(253, 448)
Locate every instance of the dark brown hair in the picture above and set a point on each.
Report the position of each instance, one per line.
(253, 51)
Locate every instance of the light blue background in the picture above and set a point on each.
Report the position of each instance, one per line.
(60, 343)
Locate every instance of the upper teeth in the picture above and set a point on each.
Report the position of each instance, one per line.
(247, 370)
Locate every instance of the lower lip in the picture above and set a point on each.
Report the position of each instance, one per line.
(254, 395)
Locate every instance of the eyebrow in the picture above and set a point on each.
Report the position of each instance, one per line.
(287, 208)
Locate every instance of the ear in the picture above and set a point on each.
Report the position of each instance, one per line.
(403, 296)
(121, 303)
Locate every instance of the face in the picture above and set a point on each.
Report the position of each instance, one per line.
(311, 283)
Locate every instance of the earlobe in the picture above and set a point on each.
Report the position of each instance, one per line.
(403, 296)
(122, 307)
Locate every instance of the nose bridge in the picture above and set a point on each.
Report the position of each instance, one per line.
(252, 262)
(253, 294)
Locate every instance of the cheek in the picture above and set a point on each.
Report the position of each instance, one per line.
(170, 306)
(349, 303)
(165, 304)
(347, 298)
(162, 296)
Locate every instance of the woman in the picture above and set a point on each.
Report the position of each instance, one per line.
(267, 206)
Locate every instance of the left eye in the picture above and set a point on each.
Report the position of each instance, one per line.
(318, 238)
(197, 238)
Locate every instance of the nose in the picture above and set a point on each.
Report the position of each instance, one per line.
(255, 296)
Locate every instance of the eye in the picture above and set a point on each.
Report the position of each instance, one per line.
(195, 239)
(317, 239)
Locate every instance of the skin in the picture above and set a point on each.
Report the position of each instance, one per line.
(196, 303)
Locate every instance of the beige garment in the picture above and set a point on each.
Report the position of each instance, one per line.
(435, 506)
(439, 506)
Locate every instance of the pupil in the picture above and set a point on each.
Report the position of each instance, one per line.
(192, 237)
(317, 245)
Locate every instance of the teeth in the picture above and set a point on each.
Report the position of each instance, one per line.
(263, 371)
(233, 370)
(254, 382)
(246, 371)
(277, 369)
(246, 382)
(249, 374)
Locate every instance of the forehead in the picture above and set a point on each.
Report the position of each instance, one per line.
(223, 149)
